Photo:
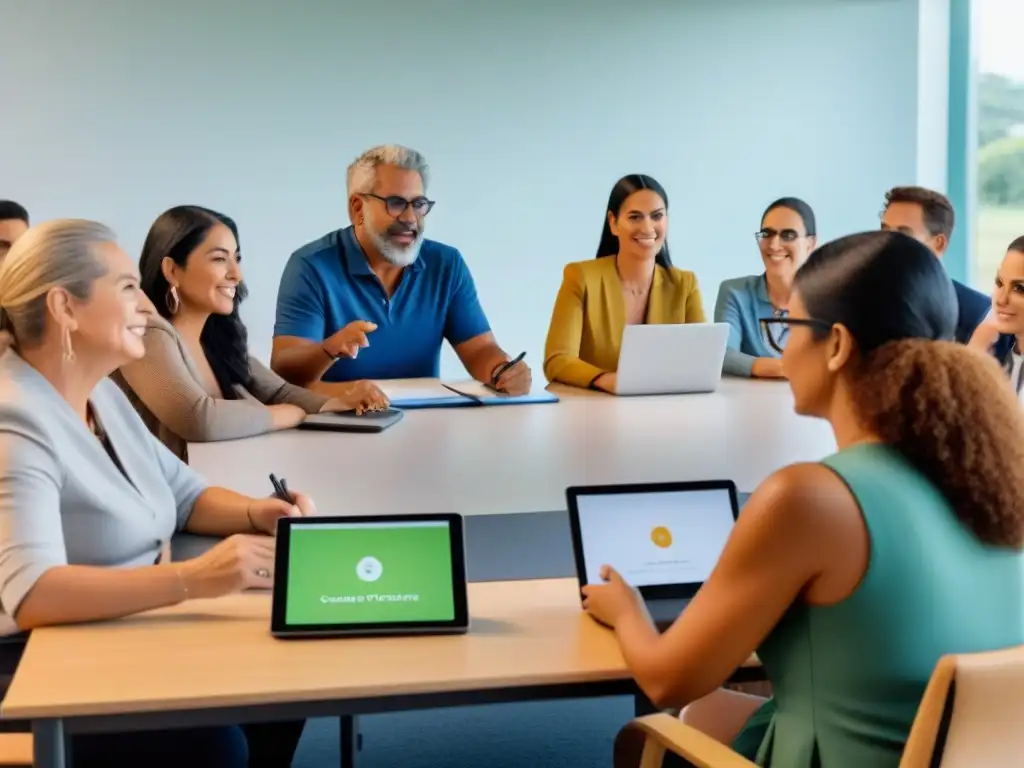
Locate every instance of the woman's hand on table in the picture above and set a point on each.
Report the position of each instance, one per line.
(361, 396)
(239, 562)
(610, 601)
(244, 560)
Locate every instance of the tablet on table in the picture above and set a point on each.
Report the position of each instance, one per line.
(370, 575)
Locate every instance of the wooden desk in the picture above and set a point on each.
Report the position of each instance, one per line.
(504, 459)
(214, 661)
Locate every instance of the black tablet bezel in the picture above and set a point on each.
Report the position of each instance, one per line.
(460, 623)
(349, 422)
(654, 591)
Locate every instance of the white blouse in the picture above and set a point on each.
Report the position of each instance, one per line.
(1015, 367)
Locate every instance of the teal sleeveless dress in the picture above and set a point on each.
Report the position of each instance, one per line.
(848, 678)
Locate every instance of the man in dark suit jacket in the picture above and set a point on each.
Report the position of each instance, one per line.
(928, 216)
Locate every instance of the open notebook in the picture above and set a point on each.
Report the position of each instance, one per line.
(433, 393)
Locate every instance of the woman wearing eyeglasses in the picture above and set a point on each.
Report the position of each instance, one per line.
(786, 238)
(631, 282)
(850, 577)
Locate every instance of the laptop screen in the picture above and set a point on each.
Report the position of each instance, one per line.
(656, 537)
(369, 573)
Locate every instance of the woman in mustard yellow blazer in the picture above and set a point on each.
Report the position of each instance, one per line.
(631, 282)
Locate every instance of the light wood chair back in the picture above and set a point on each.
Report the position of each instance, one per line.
(971, 715)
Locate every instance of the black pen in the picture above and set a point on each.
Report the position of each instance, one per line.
(498, 374)
(281, 489)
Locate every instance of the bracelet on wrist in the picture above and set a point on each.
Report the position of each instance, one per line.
(327, 352)
(181, 582)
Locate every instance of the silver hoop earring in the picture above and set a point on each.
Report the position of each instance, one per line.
(172, 300)
(69, 350)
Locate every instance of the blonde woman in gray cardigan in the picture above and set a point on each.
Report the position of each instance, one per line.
(89, 498)
(197, 381)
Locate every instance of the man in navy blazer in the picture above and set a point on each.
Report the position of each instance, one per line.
(928, 216)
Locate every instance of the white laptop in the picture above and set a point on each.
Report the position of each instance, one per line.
(671, 359)
(662, 538)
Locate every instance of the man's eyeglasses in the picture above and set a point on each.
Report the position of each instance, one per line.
(776, 329)
(786, 235)
(396, 205)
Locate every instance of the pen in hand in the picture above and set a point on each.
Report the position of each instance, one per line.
(281, 489)
(501, 371)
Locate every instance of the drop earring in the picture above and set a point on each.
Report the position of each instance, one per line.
(69, 351)
(172, 300)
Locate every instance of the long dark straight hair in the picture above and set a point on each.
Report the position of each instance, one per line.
(175, 235)
(624, 187)
(1007, 341)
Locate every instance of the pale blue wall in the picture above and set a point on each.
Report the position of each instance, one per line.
(527, 111)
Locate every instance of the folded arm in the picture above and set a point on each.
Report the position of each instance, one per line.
(727, 310)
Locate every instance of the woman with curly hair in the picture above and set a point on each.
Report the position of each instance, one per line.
(850, 577)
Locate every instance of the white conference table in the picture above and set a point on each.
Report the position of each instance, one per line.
(521, 458)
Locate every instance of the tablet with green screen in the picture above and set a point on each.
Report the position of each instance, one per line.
(370, 575)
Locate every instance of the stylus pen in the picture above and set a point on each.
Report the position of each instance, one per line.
(281, 489)
(506, 366)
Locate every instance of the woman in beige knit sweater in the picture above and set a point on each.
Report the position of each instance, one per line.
(197, 382)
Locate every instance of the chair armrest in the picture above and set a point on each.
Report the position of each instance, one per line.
(664, 732)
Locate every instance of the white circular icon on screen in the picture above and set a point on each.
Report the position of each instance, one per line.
(369, 569)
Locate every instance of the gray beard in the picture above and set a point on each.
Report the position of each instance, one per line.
(400, 257)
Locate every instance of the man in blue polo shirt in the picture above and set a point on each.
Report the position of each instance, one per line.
(375, 300)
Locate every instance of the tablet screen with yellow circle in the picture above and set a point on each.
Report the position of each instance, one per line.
(655, 537)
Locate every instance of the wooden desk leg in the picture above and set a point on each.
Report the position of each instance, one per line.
(48, 745)
(351, 741)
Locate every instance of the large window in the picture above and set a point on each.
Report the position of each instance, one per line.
(1000, 93)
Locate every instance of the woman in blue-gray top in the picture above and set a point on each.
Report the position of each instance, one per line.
(787, 236)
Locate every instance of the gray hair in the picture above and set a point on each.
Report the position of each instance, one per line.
(362, 174)
(55, 254)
